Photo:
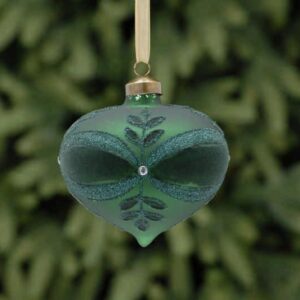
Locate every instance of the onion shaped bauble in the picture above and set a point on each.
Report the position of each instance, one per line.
(144, 166)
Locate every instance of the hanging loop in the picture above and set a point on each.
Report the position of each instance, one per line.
(142, 84)
(142, 32)
(137, 73)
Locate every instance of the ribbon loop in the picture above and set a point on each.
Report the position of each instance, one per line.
(142, 31)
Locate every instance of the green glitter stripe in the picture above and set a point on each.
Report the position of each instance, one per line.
(101, 192)
(102, 140)
(187, 194)
(174, 145)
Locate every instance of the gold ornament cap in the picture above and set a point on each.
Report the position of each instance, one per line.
(143, 85)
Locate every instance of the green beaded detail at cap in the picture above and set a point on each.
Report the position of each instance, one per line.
(144, 99)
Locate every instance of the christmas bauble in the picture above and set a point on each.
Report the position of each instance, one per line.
(144, 166)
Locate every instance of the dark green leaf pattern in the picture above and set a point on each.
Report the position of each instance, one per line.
(153, 137)
(135, 121)
(130, 215)
(152, 216)
(154, 203)
(155, 122)
(142, 224)
(132, 136)
(128, 203)
(144, 140)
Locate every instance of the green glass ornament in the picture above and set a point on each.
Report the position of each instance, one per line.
(144, 166)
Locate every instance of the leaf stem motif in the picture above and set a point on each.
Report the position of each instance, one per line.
(146, 139)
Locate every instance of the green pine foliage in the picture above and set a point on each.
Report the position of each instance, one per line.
(237, 61)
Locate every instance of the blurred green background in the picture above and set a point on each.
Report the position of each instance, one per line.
(237, 61)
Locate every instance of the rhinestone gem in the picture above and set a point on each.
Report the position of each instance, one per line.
(143, 170)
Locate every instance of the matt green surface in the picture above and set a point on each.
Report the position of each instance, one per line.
(183, 152)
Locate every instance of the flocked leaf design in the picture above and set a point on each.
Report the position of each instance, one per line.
(129, 215)
(132, 136)
(135, 121)
(153, 137)
(129, 203)
(155, 122)
(142, 138)
(142, 224)
(154, 203)
(152, 215)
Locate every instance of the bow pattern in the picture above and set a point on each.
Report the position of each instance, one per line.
(136, 208)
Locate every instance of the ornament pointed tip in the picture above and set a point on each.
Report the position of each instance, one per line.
(145, 241)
